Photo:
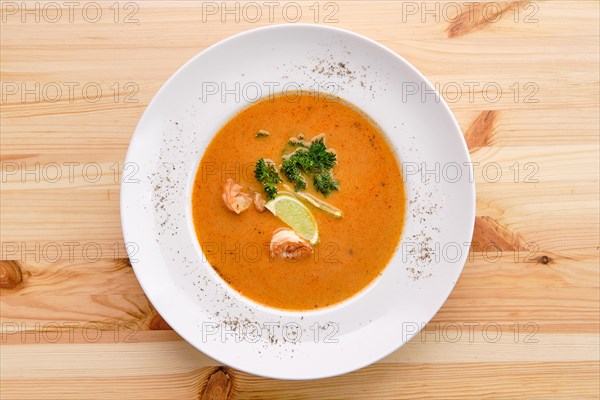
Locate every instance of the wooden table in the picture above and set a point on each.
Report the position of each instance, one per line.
(522, 79)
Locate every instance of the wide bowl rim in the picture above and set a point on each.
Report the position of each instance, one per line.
(123, 196)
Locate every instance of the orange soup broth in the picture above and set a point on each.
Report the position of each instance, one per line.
(352, 251)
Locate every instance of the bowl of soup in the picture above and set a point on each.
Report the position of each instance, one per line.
(296, 203)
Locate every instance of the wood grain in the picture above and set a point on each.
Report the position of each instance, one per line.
(476, 17)
(73, 318)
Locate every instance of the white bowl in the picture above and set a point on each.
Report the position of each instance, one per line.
(169, 142)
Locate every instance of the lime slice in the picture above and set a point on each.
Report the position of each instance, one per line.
(291, 211)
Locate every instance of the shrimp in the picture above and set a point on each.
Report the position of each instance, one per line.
(259, 202)
(287, 245)
(235, 200)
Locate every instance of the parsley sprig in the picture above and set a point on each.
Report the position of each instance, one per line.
(316, 162)
(266, 173)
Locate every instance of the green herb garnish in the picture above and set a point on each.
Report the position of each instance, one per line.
(266, 173)
(316, 162)
(293, 172)
(298, 142)
(325, 183)
(262, 133)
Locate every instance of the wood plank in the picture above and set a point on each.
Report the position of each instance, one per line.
(432, 357)
(490, 380)
(448, 381)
